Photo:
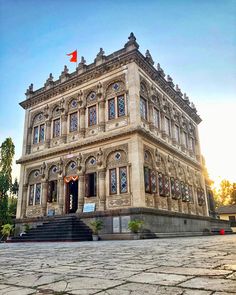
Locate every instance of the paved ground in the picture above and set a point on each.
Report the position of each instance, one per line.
(187, 266)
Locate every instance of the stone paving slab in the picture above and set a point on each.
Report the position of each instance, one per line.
(170, 266)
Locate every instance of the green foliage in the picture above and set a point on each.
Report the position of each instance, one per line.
(15, 187)
(7, 230)
(4, 216)
(12, 205)
(4, 184)
(135, 225)
(7, 154)
(7, 151)
(96, 226)
(225, 194)
(26, 227)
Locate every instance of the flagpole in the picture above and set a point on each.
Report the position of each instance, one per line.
(76, 59)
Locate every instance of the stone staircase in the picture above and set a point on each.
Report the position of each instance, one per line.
(66, 228)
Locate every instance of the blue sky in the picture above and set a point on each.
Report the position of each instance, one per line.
(194, 41)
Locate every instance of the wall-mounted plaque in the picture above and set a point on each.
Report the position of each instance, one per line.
(90, 207)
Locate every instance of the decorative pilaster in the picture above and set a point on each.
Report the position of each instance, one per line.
(101, 114)
(48, 133)
(44, 197)
(163, 131)
(64, 127)
(102, 192)
(24, 200)
(61, 199)
(173, 135)
(151, 119)
(195, 200)
(182, 138)
(81, 193)
(82, 121)
(180, 205)
(29, 140)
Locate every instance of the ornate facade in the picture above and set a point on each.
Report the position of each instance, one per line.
(116, 133)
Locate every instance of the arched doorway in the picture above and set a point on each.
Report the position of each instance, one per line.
(71, 181)
(72, 196)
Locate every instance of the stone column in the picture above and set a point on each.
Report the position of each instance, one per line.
(82, 121)
(173, 135)
(61, 198)
(101, 115)
(156, 200)
(195, 200)
(162, 124)
(182, 144)
(81, 193)
(24, 200)
(169, 198)
(64, 127)
(180, 205)
(29, 140)
(151, 118)
(48, 133)
(44, 197)
(102, 189)
(197, 145)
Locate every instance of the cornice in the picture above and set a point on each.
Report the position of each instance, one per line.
(91, 141)
(113, 61)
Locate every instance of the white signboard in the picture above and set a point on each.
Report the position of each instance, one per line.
(90, 207)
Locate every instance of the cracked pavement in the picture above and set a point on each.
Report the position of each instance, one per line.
(172, 266)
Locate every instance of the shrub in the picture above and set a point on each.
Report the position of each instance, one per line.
(7, 230)
(96, 226)
(135, 225)
(26, 228)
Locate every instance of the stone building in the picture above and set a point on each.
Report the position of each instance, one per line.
(117, 134)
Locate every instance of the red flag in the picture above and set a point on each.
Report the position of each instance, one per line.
(74, 56)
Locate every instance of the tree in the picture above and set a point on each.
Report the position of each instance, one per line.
(15, 187)
(226, 194)
(6, 158)
(7, 154)
(233, 194)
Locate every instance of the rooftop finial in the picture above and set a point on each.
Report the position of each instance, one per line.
(83, 61)
(100, 58)
(170, 81)
(64, 74)
(100, 53)
(193, 107)
(65, 71)
(82, 65)
(160, 70)
(132, 37)
(31, 87)
(178, 90)
(49, 81)
(186, 99)
(131, 44)
(29, 91)
(149, 57)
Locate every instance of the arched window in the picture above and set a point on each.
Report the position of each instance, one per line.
(34, 193)
(38, 129)
(91, 177)
(92, 108)
(73, 115)
(56, 122)
(116, 100)
(150, 180)
(118, 173)
(52, 184)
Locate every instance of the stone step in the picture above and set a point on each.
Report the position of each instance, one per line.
(58, 229)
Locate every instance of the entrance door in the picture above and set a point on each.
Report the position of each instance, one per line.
(72, 196)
